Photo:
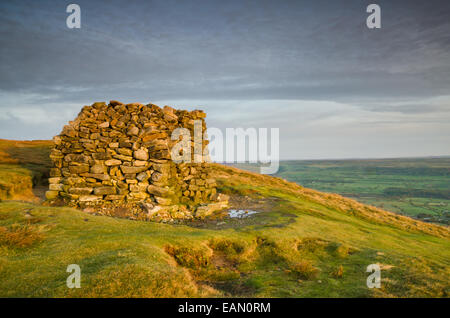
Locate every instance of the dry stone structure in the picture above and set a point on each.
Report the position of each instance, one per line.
(119, 155)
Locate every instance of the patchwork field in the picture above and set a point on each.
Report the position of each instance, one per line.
(415, 187)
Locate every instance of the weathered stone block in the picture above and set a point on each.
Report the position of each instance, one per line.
(158, 191)
(154, 136)
(140, 163)
(208, 209)
(133, 131)
(50, 195)
(132, 170)
(163, 201)
(143, 176)
(113, 162)
(98, 176)
(99, 169)
(125, 152)
(85, 190)
(123, 158)
(56, 186)
(114, 197)
(105, 190)
(54, 180)
(72, 157)
(101, 156)
(79, 169)
(139, 195)
(141, 154)
(89, 198)
(163, 168)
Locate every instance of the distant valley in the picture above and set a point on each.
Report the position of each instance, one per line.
(416, 187)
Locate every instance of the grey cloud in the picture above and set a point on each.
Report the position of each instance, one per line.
(228, 55)
(271, 51)
(413, 108)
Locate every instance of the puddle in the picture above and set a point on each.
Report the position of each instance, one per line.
(239, 214)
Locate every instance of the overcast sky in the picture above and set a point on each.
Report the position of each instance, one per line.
(335, 88)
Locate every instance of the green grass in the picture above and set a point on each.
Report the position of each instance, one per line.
(15, 182)
(23, 164)
(309, 244)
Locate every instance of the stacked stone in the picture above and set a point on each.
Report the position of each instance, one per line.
(119, 153)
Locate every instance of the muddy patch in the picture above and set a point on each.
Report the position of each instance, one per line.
(246, 211)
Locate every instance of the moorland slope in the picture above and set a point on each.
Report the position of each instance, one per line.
(302, 243)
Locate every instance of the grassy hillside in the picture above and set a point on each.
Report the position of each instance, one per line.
(303, 243)
(23, 164)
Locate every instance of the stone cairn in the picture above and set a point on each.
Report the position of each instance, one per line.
(118, 156)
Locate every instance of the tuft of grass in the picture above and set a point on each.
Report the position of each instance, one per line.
(339, 250)
(228, 246)
(311, 245)
(188, 256)
(34, 220)
(304, 269)
(19, 236)
(342, 251)
(338, 273)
